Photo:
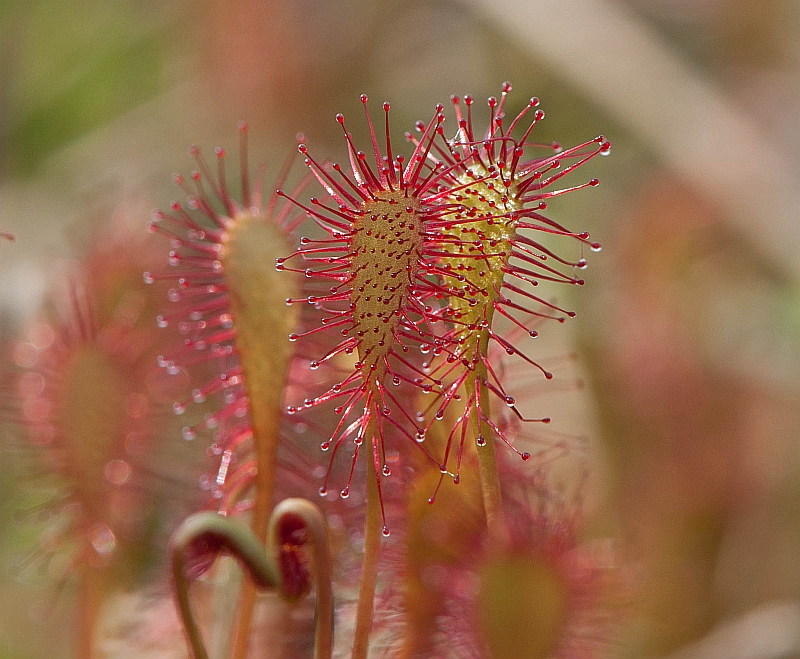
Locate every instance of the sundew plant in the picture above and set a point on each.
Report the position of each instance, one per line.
(348, 348)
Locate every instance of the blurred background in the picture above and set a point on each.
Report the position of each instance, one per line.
(688, 329)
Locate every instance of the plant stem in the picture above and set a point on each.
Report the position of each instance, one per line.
(89, 600)
(373, 528)
(266, 422)
(487, 455)
(247, 601)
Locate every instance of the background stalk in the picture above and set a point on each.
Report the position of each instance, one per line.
(487, 455)
(265, 449)
(90, 598)
(373, 528)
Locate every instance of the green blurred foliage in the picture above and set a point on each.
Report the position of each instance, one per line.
(70, 67)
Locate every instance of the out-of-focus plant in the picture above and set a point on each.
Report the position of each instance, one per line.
(92, 403)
